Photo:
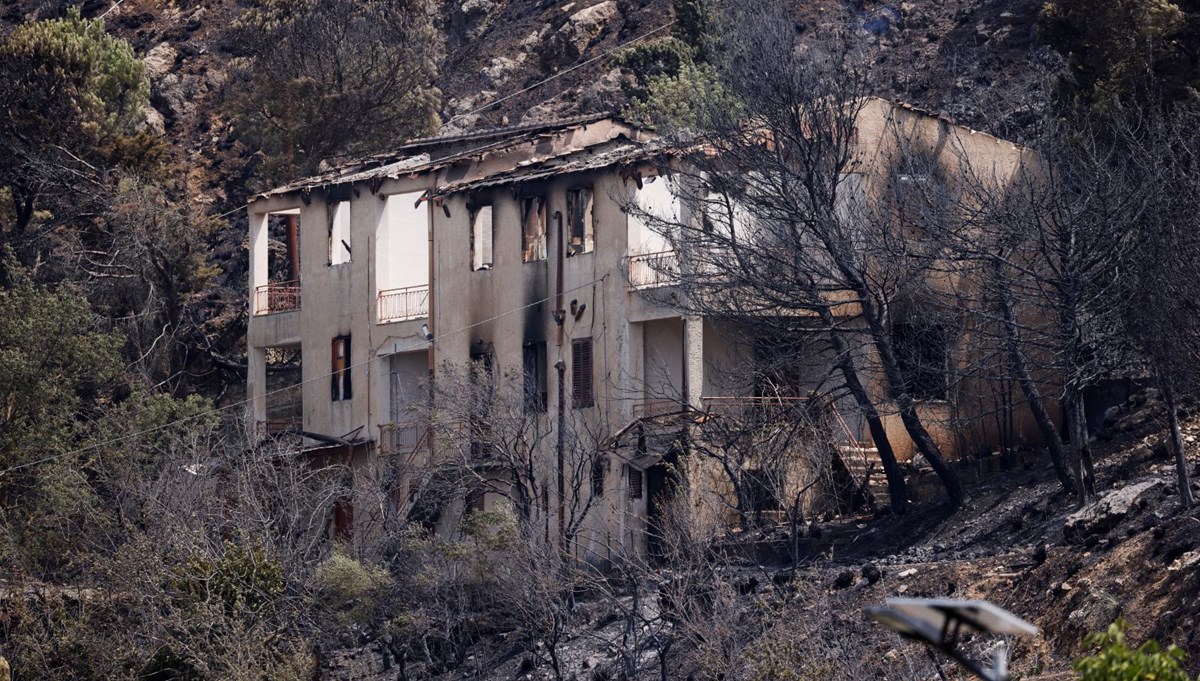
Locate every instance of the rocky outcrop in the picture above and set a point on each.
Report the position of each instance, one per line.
(1107, 512)
(580, 31)
(472, 18)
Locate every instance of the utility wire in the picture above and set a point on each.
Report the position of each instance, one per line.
(564, 72)
(246, 401)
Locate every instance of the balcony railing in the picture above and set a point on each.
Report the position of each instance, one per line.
(646, 409)
(402, 304)
(653, 270)
(279, 426)
(277, 297)
(760, 410)
(402, 438)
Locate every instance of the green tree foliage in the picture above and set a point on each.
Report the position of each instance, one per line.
(71, 98)
(686, 99)
(323, 78)
(1118, 49)
(665, 77)
(53, 366)
(1114, 660)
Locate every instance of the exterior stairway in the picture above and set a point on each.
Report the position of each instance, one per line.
(862, 462)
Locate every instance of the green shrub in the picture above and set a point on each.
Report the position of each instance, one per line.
(1116, 661)
(353, 591)
(239, 579)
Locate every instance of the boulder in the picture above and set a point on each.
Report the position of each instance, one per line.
(501, 69)
(155, 122)
(1107, 512)
(473, 17)
(580, 30)
(159, 61)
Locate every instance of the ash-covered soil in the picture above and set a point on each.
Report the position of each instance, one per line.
(1021, 543)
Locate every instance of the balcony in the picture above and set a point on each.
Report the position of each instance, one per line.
(402, 438)
(277, 297)
(403, 304)
(653, 270)
(279, 426)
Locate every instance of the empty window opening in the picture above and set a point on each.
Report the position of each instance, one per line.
(283, 234)
(579, 220)
(285, 390)
(599, 471)
(759, 488)
(635, 482)
(277, 261)
(922, 355)
(339, 375)
(533, 363)
(533, 228)
(339, 233)
(482, 397)
(482, 236)
(477, 499)
(582, 394)
(402, 259)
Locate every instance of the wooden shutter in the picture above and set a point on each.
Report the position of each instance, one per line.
(635, 483)
(581, 373)
(339, 373)
(335, 370)
(347, 387)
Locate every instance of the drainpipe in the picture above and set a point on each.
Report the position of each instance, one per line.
(431, 360)
(560, 315)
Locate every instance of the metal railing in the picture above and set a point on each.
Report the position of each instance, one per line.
(645, 409)
(278, 426)
(277, 297)
(653, 270)
(402, 438)
(402, 304)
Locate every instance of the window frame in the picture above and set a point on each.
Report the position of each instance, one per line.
(583, 369)
(341, 386)
(482, 260)
(535, 390)
(581, 219)
(337, 234)
(535, 212)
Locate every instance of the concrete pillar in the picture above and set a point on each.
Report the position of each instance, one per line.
(258, 256)
(693, 360)
(256, 382)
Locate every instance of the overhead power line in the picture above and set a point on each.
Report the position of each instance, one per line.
(562, 73)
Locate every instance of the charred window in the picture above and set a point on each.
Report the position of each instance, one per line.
(579, 221)
(482, 237)
(339, 375)
(599, 471)
(760, 491)
(482, 395)
(922, 355)
(533, 369)
(533, 228)
(339, 233)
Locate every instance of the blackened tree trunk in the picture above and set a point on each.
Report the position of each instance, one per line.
(1029, 389)
(897, 487)
(1181, 472)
